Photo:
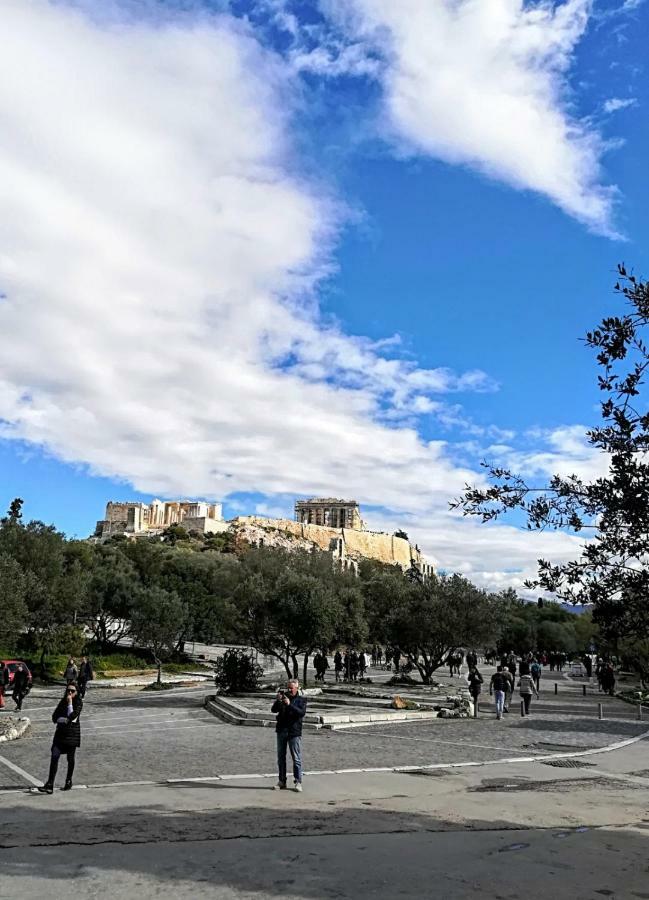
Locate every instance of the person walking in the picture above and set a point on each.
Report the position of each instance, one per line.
(290, 709)
(526, 688)
(535, 672)
(338, 664)
(498, 687)
(86, 674)
(362, 663)
(509, 687)
(475, 683)
(71, 672)
(67, 737)
(396, 657)
(379, 655)
(607, 679)
(4, 682)
(20, 686)
(353, 665)
(320, 664)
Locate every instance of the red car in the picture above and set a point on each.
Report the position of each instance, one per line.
(11, 665)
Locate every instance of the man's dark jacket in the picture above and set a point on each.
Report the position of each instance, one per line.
(289, 717)
(21, 681)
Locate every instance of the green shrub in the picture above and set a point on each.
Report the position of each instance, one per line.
(237, 672)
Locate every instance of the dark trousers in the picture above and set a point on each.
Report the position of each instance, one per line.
(527, 699)
(18, 697)
(83, 684)
(54, 762)
(294, 745)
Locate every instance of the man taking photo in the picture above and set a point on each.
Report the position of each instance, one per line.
(290, 709)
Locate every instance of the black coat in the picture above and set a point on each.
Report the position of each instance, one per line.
(68, 733)
(86, 672)
(21, 681)
(289, 717)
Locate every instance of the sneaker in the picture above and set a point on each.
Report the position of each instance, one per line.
(47, 788)
(280, 786)
(498, 718)
(297, 786)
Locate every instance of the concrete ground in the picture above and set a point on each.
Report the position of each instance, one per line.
(491, 830)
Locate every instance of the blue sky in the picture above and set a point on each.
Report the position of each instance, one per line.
(271, 249)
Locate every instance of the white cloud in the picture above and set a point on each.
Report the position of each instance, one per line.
(616, 103)
(492, 556)
(159, 253)
(484, 83)
(566, 452)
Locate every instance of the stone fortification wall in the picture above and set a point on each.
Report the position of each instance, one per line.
(385, 548)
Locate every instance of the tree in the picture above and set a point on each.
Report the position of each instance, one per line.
(113, 584)
(13, 589)
(158, 618)
(287, 607)
(613, 511)
(430, 620)
(14, 515)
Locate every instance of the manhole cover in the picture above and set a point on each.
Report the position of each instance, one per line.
(568, 764)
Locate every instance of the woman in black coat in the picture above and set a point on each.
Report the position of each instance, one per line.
(67, 736)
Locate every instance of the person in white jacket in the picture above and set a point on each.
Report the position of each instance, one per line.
(526, 688)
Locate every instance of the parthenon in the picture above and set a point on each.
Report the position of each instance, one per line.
(329, 512)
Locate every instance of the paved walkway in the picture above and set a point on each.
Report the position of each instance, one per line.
(153, 737)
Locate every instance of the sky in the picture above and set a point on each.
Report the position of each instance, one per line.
(255, 251)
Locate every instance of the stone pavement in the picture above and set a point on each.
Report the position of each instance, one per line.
(489, 829)
(139, 736)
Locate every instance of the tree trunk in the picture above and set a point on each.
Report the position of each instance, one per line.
(42, 664)
(296, 666)
(305, 670)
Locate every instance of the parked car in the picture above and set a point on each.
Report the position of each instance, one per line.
(12, 665)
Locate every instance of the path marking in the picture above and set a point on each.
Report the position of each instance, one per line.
(18, 771)
(90, 731)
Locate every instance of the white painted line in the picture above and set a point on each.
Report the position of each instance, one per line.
(90, 725)
(183, 780)
(18, 771)
(90, 731)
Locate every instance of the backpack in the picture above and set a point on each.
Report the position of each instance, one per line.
(536, 669)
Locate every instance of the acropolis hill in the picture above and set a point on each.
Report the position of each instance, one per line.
(324, 523)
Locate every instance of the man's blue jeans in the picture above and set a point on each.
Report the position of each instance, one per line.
(294, 745)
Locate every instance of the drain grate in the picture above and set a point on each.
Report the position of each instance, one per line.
(568, 764)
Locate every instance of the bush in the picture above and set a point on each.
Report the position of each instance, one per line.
(237, 672)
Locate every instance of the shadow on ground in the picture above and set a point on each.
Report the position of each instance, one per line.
(341, 852)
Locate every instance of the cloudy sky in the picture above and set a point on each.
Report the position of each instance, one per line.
(258, 249)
